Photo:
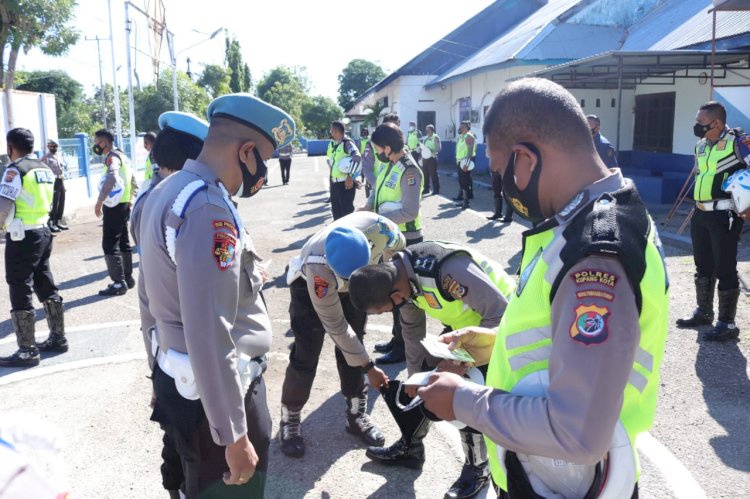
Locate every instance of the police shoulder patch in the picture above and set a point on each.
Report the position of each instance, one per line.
(590, 324)
(411, 180)
(321, 286)
(453, 287)
(594, 276)
(10, 174)
(225, 224)
(225, 247)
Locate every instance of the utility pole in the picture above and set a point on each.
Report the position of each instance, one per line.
(173, 56)
(131, 100)
(118, 120)
(101, 78)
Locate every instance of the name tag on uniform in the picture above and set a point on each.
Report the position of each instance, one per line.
(392, 181)
(702, 149)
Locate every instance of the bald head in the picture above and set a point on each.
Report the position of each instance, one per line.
(538, 111)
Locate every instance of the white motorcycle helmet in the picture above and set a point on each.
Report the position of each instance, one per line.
(115, 195)
(738, 185)
(348, 166)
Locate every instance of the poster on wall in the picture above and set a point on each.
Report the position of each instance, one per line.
(464, 109)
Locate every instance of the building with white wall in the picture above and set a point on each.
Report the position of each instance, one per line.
(32, 110)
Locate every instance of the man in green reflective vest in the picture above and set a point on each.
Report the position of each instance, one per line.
(150, 168)
(574, 371)
(466, 149)
(715, 228)
(413, 140)
(457, 286)
(26, 192)
(344, 161)
(430, 165)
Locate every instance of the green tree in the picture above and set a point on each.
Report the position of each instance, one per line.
(156, 99)
(286, 88)
(356, 77)
(240, 79)
(67, 91)
(318, 113)
(215, 80)
(94, 104)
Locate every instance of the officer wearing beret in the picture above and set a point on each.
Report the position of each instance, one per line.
(320, 304)
(203, 282)
(26, 192)
(459, 287)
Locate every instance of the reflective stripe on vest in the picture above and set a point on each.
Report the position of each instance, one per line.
(126, 174)
(388, 188)
(713, 162)
(34, 201)
(526, 330)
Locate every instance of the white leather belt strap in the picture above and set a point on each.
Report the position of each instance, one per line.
(717, 205)
(33, 227)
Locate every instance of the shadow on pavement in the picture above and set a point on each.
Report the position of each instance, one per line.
(311, 211)
(317, 193)
(296, 245)
(722, 369)
(399, 480)
(313, 222)
(83, 280)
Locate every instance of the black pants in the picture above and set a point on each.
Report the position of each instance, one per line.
(715, 246)
(285, 164)
(204, 462)
(465, 183)
(342, 199)
(396, 331)
(27, 269)
(115, 237)
(497, 185)
(58, 201)
(308, 342)
(429, 166)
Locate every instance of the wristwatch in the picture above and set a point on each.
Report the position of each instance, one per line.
(367, 367)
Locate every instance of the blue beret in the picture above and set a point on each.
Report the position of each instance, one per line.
(184, 122)
(347, 250)
(276, 125)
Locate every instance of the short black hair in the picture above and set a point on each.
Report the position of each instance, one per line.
(536, 110)
(467, 123)
(149, 137)
(391, 118)
(338, 125)
(715, 110)
(594, 117)
(21, 139)
(107, 134)
(371, 286)
(388, 134)
(173, 147)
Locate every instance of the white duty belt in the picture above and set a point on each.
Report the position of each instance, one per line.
(177, 366)
(715, 205)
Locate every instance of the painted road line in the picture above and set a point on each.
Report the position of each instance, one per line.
(76, 329)
(675, 473)
(69, 366)
(316, 165)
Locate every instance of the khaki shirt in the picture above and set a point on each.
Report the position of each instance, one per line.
(207, 303)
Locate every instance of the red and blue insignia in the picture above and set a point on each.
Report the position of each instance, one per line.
(10, 174)
(590, 325)
(225, 224)
(321, 287)
(224, 249)
(411, 180)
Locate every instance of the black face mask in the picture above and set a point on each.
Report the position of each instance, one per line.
(251, 184)
(383, 157)
(97, 149)
(700, 131)
(525, 203)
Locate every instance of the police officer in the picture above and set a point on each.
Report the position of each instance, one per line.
(203, 281)
(460, 288)
(151, 167)
(371, 166)
(715, 228)
(26, 193)
(466, 149)
(413, 140)
(430, 165)
(118, 183)
(603, 146)
(398, 197)
(58, 166)
(344, 161)
(319, 305)
(574, 372)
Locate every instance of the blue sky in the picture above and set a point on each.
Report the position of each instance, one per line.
(323, 36)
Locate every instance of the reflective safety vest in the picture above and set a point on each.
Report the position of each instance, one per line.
(126, 175)
(412, 140)
(388, 189)
(426, 259)
(149, 168)
(337, 152)
(431, 142)
(524, 339)
(462, 149)
(715, 163)
(35, 199)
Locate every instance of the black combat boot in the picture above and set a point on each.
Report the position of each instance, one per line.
(384, 346)
(116, 272)
(408, 451)
(56, 341)
(704, 296)
(725, 328)
(290, 432)
(476, 470)
(127, 267)
(53, 226)
(358, 422)
(27, 354)
(396, 354)
(61, 225)
(498, 210)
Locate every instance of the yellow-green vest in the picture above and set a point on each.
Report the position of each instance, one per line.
(388, 189)
(412, 140)
(34, 202)
(524, 337)
(335, 154)
(443, 307)
(149, 173)
(431, 144)
(462, 150)
(126, 175)
(715, 163)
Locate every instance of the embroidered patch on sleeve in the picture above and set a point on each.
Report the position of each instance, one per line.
(411, 180)
(10, 174)
(590, 324)
(593, 293)
(321, 287)
(225, 224)
(454, 288)
(593, 276)
(224, 249)
(432, 300)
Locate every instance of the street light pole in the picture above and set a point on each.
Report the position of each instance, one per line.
(118, 120)
(131, 99)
